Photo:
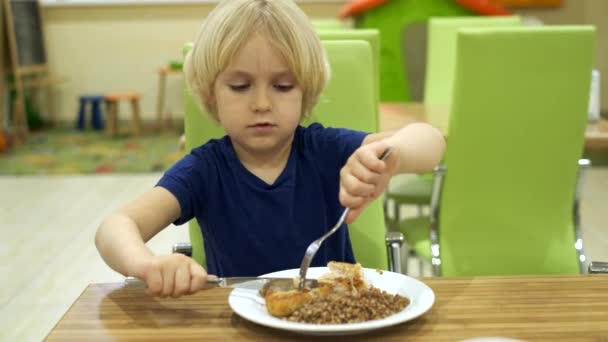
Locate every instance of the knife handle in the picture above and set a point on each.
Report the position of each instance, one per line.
(136, 282)
(215, 281)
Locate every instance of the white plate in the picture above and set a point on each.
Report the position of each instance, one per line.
(250, 305)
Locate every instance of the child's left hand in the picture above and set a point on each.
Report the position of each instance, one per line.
(365, 177)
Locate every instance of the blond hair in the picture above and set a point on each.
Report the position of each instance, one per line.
(230, 25)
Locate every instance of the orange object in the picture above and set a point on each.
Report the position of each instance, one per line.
(484, 7)
(358, 6)
(529, 3)
(104, 168)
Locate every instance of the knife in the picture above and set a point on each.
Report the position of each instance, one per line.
(252, 283)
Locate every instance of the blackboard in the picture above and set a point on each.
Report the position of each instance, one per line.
(27, 28)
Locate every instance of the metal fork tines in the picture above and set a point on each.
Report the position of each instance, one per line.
(315, 245)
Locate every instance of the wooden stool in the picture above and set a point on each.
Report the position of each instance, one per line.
(112, 101)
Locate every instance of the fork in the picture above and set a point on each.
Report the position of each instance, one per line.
(315, 245)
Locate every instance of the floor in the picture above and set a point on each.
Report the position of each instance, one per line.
(47, 254)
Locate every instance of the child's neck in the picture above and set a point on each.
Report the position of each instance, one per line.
(266, 166)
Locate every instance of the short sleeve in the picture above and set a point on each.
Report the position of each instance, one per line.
(185, 180)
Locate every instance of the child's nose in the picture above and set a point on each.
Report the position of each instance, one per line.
(261, 101)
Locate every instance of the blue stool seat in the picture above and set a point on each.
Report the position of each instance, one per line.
(96, 115)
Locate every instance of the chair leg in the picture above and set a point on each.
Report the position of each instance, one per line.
(136, 122)
(405, 247)
(50, 105)
(405, 252)
(112, 125)
(96, 120)
(19, 120)
(583, 166)
(2, 115)
(385, 206)
(81, 113)
(116, 121)
(160, 105)
(394, 242)
(396, 212)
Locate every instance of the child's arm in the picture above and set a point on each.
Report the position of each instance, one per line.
(418, 147)
(120, 240)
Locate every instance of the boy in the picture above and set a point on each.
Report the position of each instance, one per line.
(270, 187)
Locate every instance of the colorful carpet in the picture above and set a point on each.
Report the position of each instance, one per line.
(70, 152)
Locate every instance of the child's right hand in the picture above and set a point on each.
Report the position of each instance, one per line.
(172, 275)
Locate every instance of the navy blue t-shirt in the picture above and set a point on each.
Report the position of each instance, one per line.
(250, 227)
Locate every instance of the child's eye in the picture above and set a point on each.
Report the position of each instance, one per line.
(283, 87)
(239, 87)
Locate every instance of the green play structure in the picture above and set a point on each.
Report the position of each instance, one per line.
(392, 19)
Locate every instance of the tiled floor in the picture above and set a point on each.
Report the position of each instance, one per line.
(47, 254)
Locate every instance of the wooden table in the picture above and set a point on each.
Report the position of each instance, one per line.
(533, 308)
(596, 136)
(395, 115)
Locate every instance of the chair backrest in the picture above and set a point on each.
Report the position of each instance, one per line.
(348, 101)
(372, 36)
(515, 136)
(328, 23)
(441, 59)
(198, 129)
(414, 53)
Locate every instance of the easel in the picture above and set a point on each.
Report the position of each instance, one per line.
(25, 40)
(3, 67)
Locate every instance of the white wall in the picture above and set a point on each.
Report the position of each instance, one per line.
(114, 48)
(119, 47)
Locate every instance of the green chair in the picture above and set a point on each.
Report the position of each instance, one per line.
(419, 194)
(372, 36)
(439, 79)
(441, 57)
(328, 23)
(507, 203)
(352, 73)
(199, 128)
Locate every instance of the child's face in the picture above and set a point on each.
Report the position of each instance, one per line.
(257, 99)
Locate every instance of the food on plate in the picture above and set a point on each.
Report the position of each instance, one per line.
(342, 296)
